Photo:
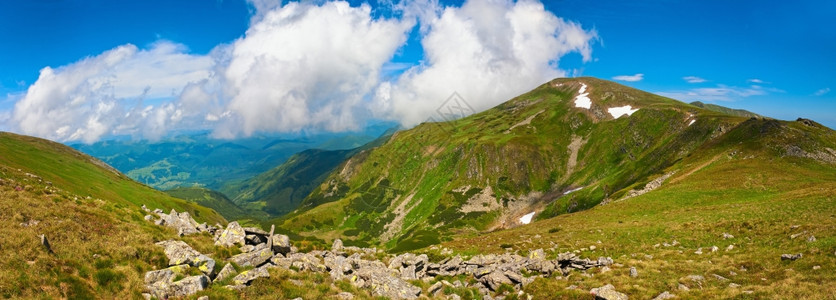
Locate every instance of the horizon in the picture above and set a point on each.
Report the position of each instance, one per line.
(237, 68)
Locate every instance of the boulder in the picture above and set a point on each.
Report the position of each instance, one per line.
(182, 222)
(281, 244)
(225, 272)
(178, 252)
(231, 235)
(337, 246)
(166, 275)
(254, 258)
(608, 292)
(247, 276)
(664, 295)
(338, 266)
(495, 279)
(790, 256)
(382, 282)
(185, 287)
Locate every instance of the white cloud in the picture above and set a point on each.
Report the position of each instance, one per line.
(310, 65)
(486, 51)
(629, 78)
(755, 80)
(822, 92)
(719, 93)
(88, 99)
(693, 79)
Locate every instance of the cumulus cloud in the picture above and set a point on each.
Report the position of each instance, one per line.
(693, 79)
(309, 65)
(629, 78)
(755, 80)
(92, 97)
(822, 92)
(487, 52)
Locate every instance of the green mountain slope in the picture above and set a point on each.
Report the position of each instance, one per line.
(90, 215)
(538, 153)
(282, 189)
(725, 110)
(763, 189)
(214, 200)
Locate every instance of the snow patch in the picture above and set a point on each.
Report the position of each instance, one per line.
(527, 218)
(617, 112)
(691, 123)
(572, 191)
(582, 100)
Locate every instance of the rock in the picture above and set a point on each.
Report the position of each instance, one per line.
(811, 239)
(698, 252)
(816, 267)
(337, 246)
(734, 285)
(182, 222)
(225, 272)
(178, 252)
(338, 266)
(494, 280)
(793, 236)
(149, 218)
(281, 244)
(247, 276)
(166, 274)
(714, 248)
(683, 287)
(45, 243)
(185, 287)
(633, 272)
(727, 236)
(231, 235)
(255, 231)
(790, 256)
(255, 258)
(345, 296)
(608, 292)
(730, 248)
(537, 254)
(203, 298)
(382, 282)
(720, 278)
(664, 295)
(435, 288)
(695, 278)
(247, 248)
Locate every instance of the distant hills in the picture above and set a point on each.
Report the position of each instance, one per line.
(725, 110)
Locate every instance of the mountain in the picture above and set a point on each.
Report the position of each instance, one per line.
(564, 147)
(214, 200)
(725, 110)
(198, 159)
(281, 190)
(90, 215)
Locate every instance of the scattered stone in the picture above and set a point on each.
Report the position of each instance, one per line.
(727, 236)
(683, 287)
(145, 208)
(203, 298)
(698, 252)
(255, 258)
(790, 256)
(345, 296)
(247, 276)
(225, 272)
(665, 295)
(337, 245)
(233, 234)
(182, 222)
(695, 278)
(185, 287)
(592, 247)
(734, 285)
(30, 223)
(45, 243)
(793, 236)
(714, 248)
(811, 239)
(571, 287)
(794, 227)
(730, 248)
(720, 278)
(435, 288)
(633, 272)
(608, 292)
(816, 267)
(149, 217)
(178, 252)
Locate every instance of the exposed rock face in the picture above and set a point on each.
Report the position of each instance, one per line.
(608, 292)
(178, 252)
(233, 234)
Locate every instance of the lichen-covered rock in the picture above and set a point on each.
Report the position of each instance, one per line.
(608, 292)
(167, 274)
(231, 235)
(185, 287)
(178, 252)
(382, 282)
(225, 272)
(281, 244)
(254, 258)
(247, 276)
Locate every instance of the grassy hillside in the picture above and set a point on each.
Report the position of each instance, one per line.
(725, 110)
(761, 183)
(538, 153)
(90, 215)
(214, 200)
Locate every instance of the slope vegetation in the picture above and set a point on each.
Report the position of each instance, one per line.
(90, 216)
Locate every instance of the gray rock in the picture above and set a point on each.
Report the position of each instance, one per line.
(225, 272)
(203, 298)
(384, 282)
(45, 243)
(608, 292)
(494, 280)
(727, 236)
(811, 239)
(633, 272)
(337, 246)
(178, 252)
(182, 288)
(281, 244)
(247, 276)
(256, 231)
(791, 256)
(720, 278)
(167, 274)
(338, 266)
(145, 208)
(734, 285)
(664, 295)
(255, 258)
(345, 296)
(182, 222)
(231, 235)
(149, 217)
(435, 288)
(537, 254)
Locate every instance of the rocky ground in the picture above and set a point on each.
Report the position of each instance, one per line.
(382, 274)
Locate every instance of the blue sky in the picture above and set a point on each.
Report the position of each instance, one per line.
(771, 57)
